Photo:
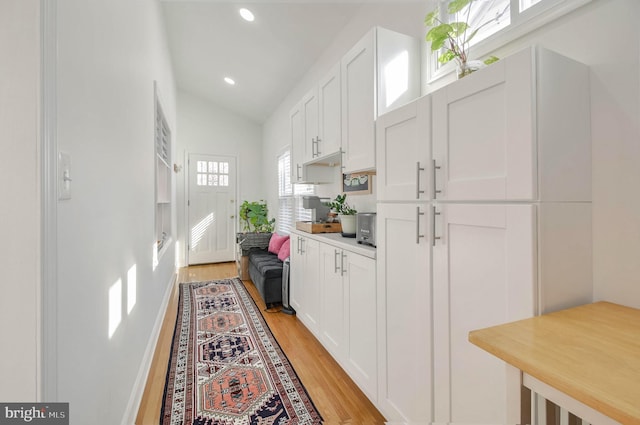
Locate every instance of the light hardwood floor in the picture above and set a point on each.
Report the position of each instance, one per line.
(335, 395)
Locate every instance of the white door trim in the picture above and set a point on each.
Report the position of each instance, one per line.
(48, 360)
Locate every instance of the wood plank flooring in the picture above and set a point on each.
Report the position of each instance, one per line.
(335, 395)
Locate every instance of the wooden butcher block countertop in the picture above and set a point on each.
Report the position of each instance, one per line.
(591, 353)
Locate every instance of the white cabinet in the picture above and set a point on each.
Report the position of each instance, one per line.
(517, 130)
(305, 280)
(329, 114)
(310, 131)
(296, 143)
(404, 166)
(404, 315)
(379, 73)
(349, 312)
(497, 230)
(333, 333)
(484, 274)
(347, 302)
(359, 280)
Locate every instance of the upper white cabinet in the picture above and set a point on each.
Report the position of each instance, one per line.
(380, 73)
(517, 130)
(329, 138)
(309, 106)
(403, 151)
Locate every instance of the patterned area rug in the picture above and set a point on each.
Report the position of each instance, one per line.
(226, 368)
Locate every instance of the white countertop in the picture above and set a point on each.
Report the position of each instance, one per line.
(337, 240)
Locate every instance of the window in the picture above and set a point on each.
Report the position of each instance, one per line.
(212, 173)
(163, 176)
(290, 197)
(511, 19)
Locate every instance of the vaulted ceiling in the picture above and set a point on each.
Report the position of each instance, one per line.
(267, 57)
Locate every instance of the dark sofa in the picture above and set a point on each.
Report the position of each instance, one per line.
(265, 270)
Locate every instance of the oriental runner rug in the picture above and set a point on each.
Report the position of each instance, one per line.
(226, 368)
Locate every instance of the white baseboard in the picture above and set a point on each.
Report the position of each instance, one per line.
(129, 417)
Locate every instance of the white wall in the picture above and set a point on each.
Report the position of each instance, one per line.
(407, 18)
(109, 54)
(20, 194)
(208, 129)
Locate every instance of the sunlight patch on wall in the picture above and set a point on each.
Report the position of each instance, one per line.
(396, 77)
(154, 259)
(115, 306)
(132, 288)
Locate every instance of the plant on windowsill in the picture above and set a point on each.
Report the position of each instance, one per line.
(346, 214)
(256, 226)
(455, 35)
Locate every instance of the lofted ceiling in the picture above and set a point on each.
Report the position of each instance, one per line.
(209, 40)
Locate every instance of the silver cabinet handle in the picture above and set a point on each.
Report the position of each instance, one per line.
(418, 235)
(298, 167)
(342, 257)
(298, 246)
(335, 260)
(435, 190)
(318, 146)
(418, 169)
(433, 226)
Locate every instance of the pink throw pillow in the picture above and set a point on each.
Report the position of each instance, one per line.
(275, 243)
(285, 250)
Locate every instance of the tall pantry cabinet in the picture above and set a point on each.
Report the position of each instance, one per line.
(499, 211)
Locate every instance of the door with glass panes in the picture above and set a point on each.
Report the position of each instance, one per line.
(211, 208)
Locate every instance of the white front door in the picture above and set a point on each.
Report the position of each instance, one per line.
(211, 208)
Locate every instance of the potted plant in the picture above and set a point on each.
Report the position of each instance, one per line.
(256, 226)
(456, 34)
(346, 214)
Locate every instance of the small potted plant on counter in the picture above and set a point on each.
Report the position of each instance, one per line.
(346, 215)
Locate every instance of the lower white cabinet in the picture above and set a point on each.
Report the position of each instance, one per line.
(484, 274)
(305, 282)
(404, 315)
(346, 319)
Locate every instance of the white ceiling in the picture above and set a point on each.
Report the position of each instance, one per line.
(267, 58)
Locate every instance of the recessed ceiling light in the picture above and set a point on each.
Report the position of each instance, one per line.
(229, 81)
(247, 15)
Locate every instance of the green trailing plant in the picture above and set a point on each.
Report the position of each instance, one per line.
(340, 206)
(254, 217)
(455, 35)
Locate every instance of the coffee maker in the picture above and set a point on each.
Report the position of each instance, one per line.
(320, 212)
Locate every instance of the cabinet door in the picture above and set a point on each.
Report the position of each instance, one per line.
(360, 280)
(358, 105)
(483, 133)
(484, 275)
(311, 282)
(297, 145)
(296, 295)
(404, 306)
(403, 145)
(309, 107)
(329, 105)
(333, 297)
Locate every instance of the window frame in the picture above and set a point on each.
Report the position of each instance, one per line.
(163, 199)
(522, 23)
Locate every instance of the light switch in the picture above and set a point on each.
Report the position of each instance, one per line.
(64, 176)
